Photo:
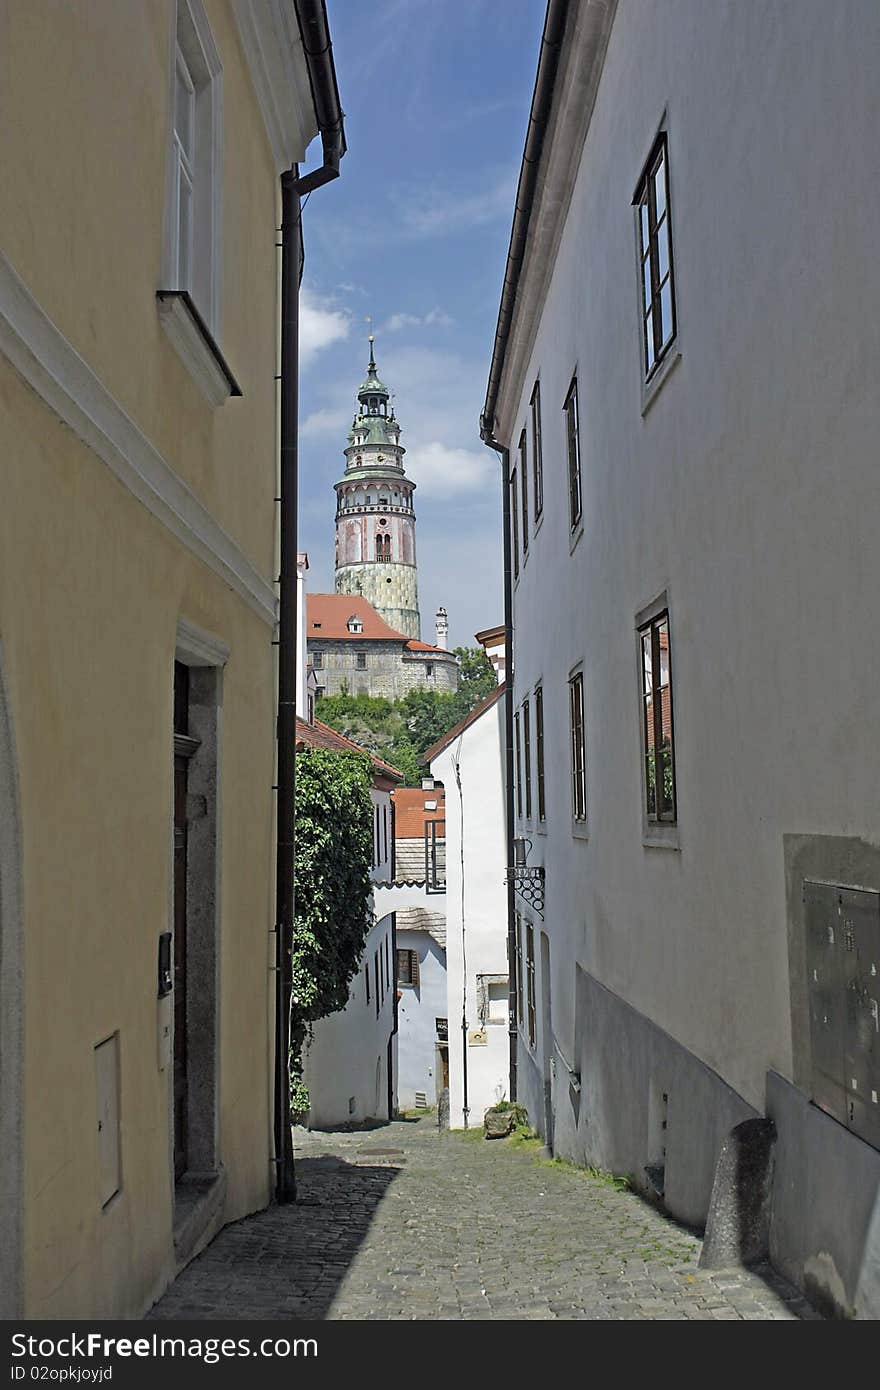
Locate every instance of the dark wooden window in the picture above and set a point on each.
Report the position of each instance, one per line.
(578, 748)
(518, 764)
(537, 454)
(318, 661)
(527, 757)
(514, 523)
(657, 729)
(655, 251)
(408, 968)
(573, 443)
(524, 484)
(519, 970)
(539, 752)
(360, 661)
(435, 856)
(530, 982)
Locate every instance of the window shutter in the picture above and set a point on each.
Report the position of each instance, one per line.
(414, 967)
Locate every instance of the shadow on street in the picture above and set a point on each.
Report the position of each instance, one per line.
(286, 1262)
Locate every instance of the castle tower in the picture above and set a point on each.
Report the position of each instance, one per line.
(375, 520)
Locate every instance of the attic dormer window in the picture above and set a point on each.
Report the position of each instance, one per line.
(354, 624)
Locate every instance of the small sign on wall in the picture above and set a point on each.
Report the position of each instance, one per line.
(479, 1038)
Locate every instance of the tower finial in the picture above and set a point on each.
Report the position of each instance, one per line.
(372, 339)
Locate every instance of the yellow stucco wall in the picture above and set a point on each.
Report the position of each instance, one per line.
(91, 590)
(84, 122)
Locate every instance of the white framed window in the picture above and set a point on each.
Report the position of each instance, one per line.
(183, 173)
(193, 214)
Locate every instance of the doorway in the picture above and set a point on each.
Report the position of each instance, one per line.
(547, 1056)
(11, 1023)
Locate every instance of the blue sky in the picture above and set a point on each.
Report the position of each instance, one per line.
(414, 232)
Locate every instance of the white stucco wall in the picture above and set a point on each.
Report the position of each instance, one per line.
(418, 1009)
(472, 771)
(302, 656)
(383, 835)
(346, 1066)
(747, 490)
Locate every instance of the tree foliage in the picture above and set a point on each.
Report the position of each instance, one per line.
(401, 731)
(334, 836)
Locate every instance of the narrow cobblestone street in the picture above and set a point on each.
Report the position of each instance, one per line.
(402, 1222)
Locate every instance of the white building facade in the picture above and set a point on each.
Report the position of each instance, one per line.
(688, 398)
(469, 761)
(349, 1061)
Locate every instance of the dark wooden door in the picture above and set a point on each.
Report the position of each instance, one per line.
(181, 1085)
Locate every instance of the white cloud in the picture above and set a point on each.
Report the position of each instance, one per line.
(320, 324)
(436, 318)
(443, 470)
(328, 420)
(432, 211)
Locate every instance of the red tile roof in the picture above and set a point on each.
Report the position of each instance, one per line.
(463, 724)
(320, 735)
(327, 616)
(410, 814)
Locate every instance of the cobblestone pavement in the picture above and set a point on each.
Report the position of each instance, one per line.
(402, 1222)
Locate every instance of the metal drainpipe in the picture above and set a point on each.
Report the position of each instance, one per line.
(291, 260)
(311, 17)
(512, 943)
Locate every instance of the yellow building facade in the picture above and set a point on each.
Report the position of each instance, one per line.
(141, 147)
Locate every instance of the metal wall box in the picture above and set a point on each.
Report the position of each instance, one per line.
(843, 986)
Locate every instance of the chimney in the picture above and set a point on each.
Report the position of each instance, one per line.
(441, 627)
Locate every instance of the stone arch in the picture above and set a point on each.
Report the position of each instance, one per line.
(11, 1021)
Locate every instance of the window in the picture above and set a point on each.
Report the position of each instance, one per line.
(435, 856)
(524, 482)
(383, 547)
(530, 982)
(376, 981)
(193, 215)
(514, 524)
(537, 455)
(311, 709)
(184, 172)
(493, 1004)
(573, 439)
(360, 661)
(518, 764)
(354, 624)
(319, 691)
(539, 751)
(657, 736)
(408, 968)
(519, 970)
(527, 757)
(578, 752)
(318, 661)
(367, 979)
(429, 668)
(655, 253)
